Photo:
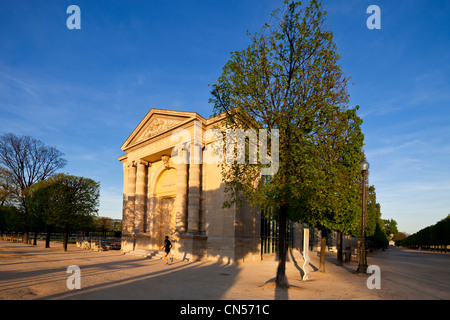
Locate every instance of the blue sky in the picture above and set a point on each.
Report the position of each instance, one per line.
(84, 91)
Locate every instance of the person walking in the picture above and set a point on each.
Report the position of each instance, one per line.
(167, 246)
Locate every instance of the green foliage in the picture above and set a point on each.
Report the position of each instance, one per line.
(373, 212)
(65, 201)
(378, 239)
(8, 189)
(435, 235)
(10, 219)
(23, 162)
(104, 225)
(399, 237)
(390, 227)
(289, 80)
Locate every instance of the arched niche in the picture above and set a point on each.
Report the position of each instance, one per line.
(165, 209)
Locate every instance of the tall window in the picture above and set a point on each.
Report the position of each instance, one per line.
(270, 232)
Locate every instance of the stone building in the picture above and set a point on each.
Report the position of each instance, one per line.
(164, 194)
(168, 190)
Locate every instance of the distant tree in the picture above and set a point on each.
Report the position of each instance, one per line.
(104, 225)
(374, 230)
(118, 229)
(378, 240)
(390, 227)
(9, 219)
(7, 187)
(27, 161)
(75, 203)
(399, 236)
(373, 211)
(67, 202)
(38, 202)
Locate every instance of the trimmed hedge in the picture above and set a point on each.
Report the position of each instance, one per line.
(430, 237)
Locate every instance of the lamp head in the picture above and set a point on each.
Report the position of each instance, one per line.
(365, 166)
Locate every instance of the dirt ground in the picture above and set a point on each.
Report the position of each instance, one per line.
(33, 272)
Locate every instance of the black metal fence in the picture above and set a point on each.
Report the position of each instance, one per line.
(270, 235)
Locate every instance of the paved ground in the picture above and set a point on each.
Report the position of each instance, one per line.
(412, 274)
(33, 272)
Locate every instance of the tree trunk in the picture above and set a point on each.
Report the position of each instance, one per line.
(66, 239)
(351, 247)
(323, 245)
(281, 280)
(339, 248)
(26, 232)
(35, 238)
(47, 236)
(26, 235)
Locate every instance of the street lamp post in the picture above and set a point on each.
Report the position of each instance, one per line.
(362, 264)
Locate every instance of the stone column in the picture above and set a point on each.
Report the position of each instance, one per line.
(125, 198)
(151, 206)
(182, 187)
(194, 188)
(140, 196)
(148, 224)
(202, 193)
(131, 196)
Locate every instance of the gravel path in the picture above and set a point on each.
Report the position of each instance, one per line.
(34, 272)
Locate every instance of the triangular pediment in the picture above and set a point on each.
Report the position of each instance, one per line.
(158, 122)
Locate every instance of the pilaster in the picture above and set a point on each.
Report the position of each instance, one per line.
(182, 188)
(131, 196)
(140, 195)
(194, 188)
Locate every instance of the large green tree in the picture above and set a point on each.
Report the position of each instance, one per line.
(26, 161)
(334, 204)
(67, 202)
(288, 82)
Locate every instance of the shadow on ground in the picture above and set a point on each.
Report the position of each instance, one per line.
(179, 281)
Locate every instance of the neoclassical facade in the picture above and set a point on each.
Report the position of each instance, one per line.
(169, 191)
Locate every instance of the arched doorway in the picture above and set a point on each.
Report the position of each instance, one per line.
(166, 189)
